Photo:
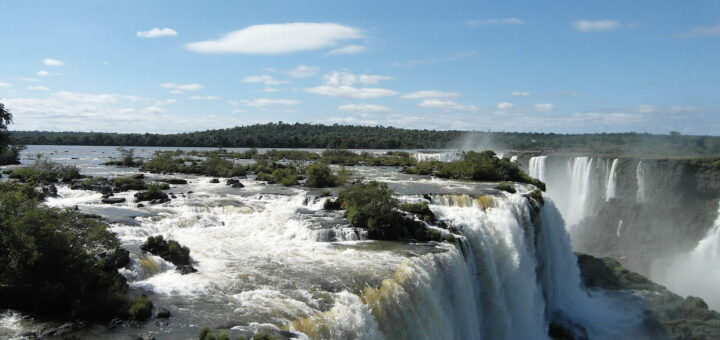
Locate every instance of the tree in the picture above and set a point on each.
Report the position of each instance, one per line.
(8, 154)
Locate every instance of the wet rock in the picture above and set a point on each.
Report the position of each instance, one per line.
(186, 269)
(62, 330)
(214, 180)
(140, 205)
(50, 190)
(176, 181)
(163, 313)
(115, 323)
(113, 200)
(235, 183)
(119, 258)
(154, 196)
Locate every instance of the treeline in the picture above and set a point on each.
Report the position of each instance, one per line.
(283, 135)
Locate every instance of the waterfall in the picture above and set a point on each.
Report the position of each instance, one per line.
(610, 190)
(695, 273)
(640, 172)
(514, 158)
(537, 167)
(580, 190)
(439, 156)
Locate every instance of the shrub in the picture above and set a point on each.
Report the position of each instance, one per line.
(421, 209)
(51, 261)
(286, 176)
(140, 308)
(319, 176)
(506, 186)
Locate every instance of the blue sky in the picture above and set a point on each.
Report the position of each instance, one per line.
(540, 66)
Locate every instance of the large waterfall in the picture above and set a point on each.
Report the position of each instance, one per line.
(507, 278)
(696, 272)
(537, 167)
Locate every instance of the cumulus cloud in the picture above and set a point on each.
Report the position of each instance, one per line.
(363, 108)
(544, 107)
(264, 79)
(157, 33)
(263, 102)
(37, 88)
(43, 73)
(303, 71)
(181, 88)
(446, 105)
(278, 39)
(497, 21)
(430, 94)
(596, 25)
(504, 106)
(52, 62)
(702, 31)
(342, 84)
(204, 98)
(521, 93)
(349, 49)
(3, 84)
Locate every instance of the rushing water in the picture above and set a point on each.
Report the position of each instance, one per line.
(611, 189)
(271, 257)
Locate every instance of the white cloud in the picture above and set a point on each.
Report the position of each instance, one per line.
(303, 71)
(233, 102)
(157, 33)
(3, 84)
(363, 108)
(446, 105)
(269, 90)
(204, 98)
(37, 88)
(180, 88)
(596, 25)
(263, 102)
(152, 109)
(52, 62)
(350, 92)
(544, 107)
(30, 80)
(278, 39)
(350, 79)
(341, 84)
(430, 94)
(521, 93)
(702, 31)
(86, 98)
(165, 102)
(498, 21)
(349, 49)
(43, 73)
(504, 106)
(264, 79)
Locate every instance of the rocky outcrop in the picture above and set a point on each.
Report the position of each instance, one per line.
(668, 315)
(170, 250)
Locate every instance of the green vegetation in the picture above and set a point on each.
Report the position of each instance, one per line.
(346, 157)
(282, 135)
(421, 209)
(319, 175)
(213, 165)
(9, 154)
(140, 308)
(44, 171)
(56, 262)
(477, 166)
(506, 186)
(372, 206)
(127, 158)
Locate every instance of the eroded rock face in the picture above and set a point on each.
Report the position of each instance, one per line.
(668, 315)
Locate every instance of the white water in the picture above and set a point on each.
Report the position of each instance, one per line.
(537, 167)
(514, 158)
(438, 156)
(640, 173)
(610, 190)
(580, 190)
(695, 273)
